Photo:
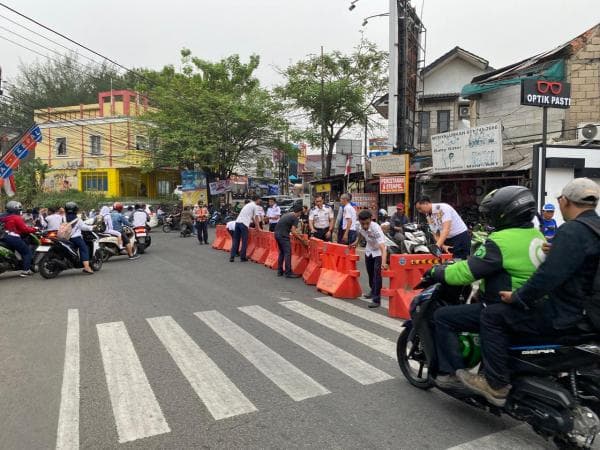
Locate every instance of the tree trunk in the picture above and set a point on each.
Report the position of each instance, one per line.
(328, 158)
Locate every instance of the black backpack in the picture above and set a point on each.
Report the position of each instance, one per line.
(591, 303)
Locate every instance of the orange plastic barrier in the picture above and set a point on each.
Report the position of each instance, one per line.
(299, 255)
(220, 237)
(339, 276)
(252, 242)
(313, 268)
(228, 241)
(261, 248)
(404, 273)
(273, 254)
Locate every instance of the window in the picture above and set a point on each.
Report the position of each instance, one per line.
(164, 187)
(60, 145)
(95, 181)
(141, 143)
(424, 117)
(95, 145)
(443, 121)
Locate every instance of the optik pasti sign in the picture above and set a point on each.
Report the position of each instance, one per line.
(548, 94)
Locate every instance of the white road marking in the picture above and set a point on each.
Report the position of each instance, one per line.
(352, 366)
(365, 337)
(220, 396)
(513, 438)
(385, 303)
(136, 410)
(67, 434)
(285, 375)
(363, 313)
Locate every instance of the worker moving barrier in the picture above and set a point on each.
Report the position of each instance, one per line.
(339, 276)
(313, 267)
(405, 272)
(299, 254)
(273, 250)
(219, 242)
(261, 248)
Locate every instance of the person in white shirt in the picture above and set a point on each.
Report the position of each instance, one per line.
(348, 223)
(273, 214)
(53, 220)
(140, 217)
(252, 212)
(231, 227)
(320, 220)
(449, 229)
(375, 254)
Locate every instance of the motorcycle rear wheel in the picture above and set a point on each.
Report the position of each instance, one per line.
(166, 228)
(48, 269)
(96, 260)
(413, 361)
(141, 248)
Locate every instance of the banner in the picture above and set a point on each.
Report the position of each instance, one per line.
(391, 185)
(15, 155)
(193, 180)
(191, 198)
(220, 187)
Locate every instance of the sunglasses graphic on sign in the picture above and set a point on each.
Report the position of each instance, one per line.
(553, 86)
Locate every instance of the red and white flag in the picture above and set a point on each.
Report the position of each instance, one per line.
(348, 165)
(9, 185)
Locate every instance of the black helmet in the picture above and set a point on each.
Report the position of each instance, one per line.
(14, 207)
(138, 206)
(71, 208)
(510, 206)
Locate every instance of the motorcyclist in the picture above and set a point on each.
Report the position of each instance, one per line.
(139, 217)
(552, 301)
(118, 220)
(397, 221)
(77, 226)
(505, 261)
(14, 227)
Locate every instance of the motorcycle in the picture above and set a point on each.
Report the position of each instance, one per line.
(172, 222)
(215, 219)
(186, 230)
(63, 255)
(142, 236)
(109, 244)
(556, 381)
(45, 244)
(10, 260)
(416, 239)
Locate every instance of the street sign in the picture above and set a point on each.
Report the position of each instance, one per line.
(392, 185)
(390, 164)
(349, 147)
(545, 93)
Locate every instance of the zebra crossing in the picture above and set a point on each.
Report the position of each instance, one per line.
(136, 411)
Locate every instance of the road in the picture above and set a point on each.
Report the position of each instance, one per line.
(182, 349)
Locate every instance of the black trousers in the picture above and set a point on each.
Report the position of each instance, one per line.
(285, 255)
(272, 227)
(202, 229)
(448, 321)
(373, 264)
(321, 233)
(461, 245)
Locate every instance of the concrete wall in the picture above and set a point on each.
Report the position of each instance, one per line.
(584, 75)
(450, 77)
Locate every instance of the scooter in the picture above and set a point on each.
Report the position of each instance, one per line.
(556, 381)
(42, 249)
(172, 222)
(215, 219)
(63, 255)
(10, 260)
(415, 239)
(142, 236)
(109, 244)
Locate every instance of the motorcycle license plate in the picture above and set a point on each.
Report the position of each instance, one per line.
(42, 249)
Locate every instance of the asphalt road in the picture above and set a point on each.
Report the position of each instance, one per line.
(263, 365)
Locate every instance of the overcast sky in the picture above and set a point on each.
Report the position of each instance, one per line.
(150, 33)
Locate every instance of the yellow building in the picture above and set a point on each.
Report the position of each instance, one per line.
(101, 147)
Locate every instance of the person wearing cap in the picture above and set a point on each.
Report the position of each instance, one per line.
(288, 224)
(548, 225)
(397, 221)
(550, 303)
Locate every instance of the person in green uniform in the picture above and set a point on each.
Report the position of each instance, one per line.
(506, 260)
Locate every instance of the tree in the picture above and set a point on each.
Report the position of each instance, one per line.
(29, 179)
(335, 92)
(210, 115)
(62, 81)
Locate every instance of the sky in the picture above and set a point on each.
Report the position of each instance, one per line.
(150, 33)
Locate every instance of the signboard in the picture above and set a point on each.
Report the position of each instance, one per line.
(391, 185)
(364, 200)
(220, 187)
(191, 198)
(349, 147)
(325, 187)
(476, 148)
(192, 180)
(391, 164)
(379, 147)
(549, 94)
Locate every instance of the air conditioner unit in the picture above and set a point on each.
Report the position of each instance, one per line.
(587, 132)
(463, 112)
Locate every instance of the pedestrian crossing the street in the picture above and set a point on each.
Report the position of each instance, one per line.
(136, 410)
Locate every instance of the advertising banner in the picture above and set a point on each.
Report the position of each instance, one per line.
(220, 187)
(391, 185)
(193, 180)
(325, 187)
(191, 198)
(390, 164)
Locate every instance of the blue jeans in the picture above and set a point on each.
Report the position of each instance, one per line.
(17, 244)
(285, 254)
(84, 254)
(351, 236)
(240, 234)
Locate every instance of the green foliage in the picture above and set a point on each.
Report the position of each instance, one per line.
(29, 180)
(335, 92)
(85, 200)
(211, 115)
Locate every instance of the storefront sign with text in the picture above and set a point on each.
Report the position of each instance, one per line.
(549, 94)
(391, 185)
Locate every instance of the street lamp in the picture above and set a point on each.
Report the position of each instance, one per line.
(366, 19)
